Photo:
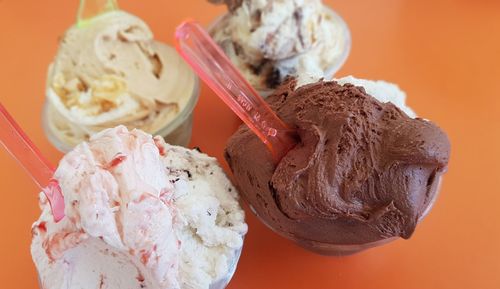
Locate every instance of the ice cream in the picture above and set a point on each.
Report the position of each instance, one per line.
(364, 170)
(139, 214)
(111, 72)
(270, 40)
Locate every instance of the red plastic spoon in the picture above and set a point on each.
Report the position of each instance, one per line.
(211, 64)
(17, 143)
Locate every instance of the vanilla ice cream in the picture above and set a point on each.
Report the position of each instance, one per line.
(270, 40)
(139, 214)
(382, 90)
(111, 72)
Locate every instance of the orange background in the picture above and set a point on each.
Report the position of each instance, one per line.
(444, 53)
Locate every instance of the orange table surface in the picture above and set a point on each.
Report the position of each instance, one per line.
(444, 53)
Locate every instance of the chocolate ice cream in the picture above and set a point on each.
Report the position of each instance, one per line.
(363, 171)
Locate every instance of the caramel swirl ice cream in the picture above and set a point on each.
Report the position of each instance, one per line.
(111, 71)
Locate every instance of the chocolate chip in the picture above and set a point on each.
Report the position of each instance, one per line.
(273, 79)
(188, 173)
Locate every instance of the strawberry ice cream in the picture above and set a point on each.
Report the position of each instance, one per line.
(139, 214)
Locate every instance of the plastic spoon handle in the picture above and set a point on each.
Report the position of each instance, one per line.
(17, 143)
(211, 64)
(90, 8)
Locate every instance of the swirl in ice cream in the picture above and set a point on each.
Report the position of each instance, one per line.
(363, 170)
(270, 40)
(112, 72)
(139, 214)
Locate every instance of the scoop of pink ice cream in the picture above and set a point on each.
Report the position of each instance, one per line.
(136, 211)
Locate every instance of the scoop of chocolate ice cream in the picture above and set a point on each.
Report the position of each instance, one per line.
(363, 170)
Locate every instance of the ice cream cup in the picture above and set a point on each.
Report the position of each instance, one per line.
(176, 132)
(223, 282)
(333, 68)
(328, 249)
(219, 284)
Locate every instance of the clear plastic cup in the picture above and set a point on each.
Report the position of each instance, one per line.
(176, 132)
(334, 67)
(329, 249)
(223, 282)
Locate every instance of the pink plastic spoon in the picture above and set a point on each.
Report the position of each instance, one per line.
(17, 143)
(211, 64)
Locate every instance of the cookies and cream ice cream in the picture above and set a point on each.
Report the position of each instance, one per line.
(270, 40)
(364, 169)
(110, 72)
(139, 214)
